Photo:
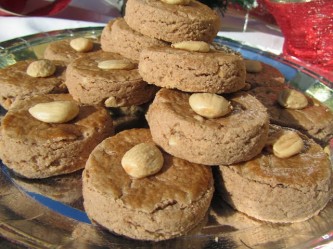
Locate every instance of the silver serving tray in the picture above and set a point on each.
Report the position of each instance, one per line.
(49, 213)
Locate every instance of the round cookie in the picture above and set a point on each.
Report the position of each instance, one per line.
(173, 23)
(16, 83)
(62, 51)
(35, 149)
(268, 76)
(216, 71)
(91, 85)
(315, 120)
(279, 190)
(158, 207)
(238, 136)
(118, 37)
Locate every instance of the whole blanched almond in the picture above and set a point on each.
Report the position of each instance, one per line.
(114, 102)
(292, 99)
(288, 145)
(253, 66)
(195, 46)
(41, 68)
(55, 112)
(209, 105)
(116, 64)
(327, 150)
(173, 141)
(82, 44)
(142, 160)
(110, 102)
(177, 2)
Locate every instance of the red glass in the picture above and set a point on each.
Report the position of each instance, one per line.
(32, 7)
(307, 28)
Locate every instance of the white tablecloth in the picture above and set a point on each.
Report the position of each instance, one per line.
(13, 27)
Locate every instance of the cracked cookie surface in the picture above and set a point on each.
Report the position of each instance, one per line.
(62, 51)
(213, 72)
(236, 137)
(15, 83)
(89, 84)
(35, 149)
(279, 190)
(268, 76)
(118, 37)
(173, 23)
(165, 205)
(305, 119)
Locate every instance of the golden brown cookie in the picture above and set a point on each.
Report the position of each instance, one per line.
(62, 50)
(215, 71)
(315, 120)
(16, 83)
(266, 76)
(157, 207)
(90, 84)
(277, 189)
(36, 149)
(171, 22)
(236, 137)
(118, 37)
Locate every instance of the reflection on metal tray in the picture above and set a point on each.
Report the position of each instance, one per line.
(49, 213)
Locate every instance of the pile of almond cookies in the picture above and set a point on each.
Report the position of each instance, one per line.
(215, 123)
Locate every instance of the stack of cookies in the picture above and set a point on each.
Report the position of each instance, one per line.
(215, 123)
(206, 113)
(148, 194)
